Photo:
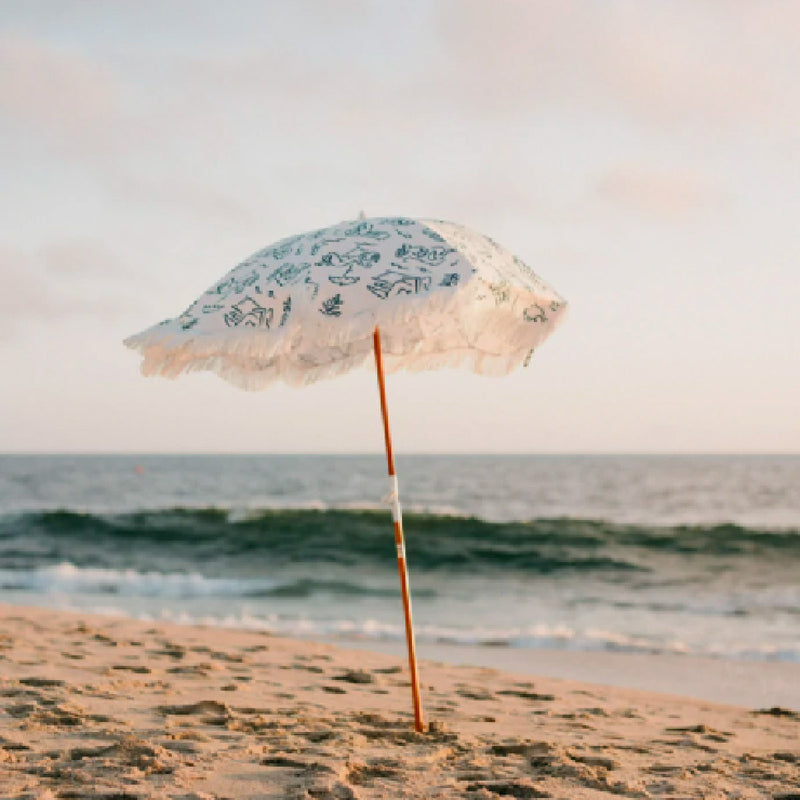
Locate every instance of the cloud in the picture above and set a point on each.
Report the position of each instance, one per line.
(62, 279)
(670, 195)
(689, 61)
(186, 195)
(187, 78)
(77, 258)
(54, 92)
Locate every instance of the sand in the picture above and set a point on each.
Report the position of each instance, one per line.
(103, 707)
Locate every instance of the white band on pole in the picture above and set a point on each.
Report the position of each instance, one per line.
(393, 498)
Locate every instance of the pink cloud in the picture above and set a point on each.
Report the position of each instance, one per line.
(64, 278)
(57, 93)
(668, 194)
(691, 61)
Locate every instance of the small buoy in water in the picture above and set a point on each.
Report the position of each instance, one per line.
(139, 469)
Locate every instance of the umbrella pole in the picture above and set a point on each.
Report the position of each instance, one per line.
(398, 538)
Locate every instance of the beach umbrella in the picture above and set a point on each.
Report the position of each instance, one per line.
(418, 294)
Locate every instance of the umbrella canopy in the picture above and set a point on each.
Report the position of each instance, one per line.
(419, 294)
(306, 307)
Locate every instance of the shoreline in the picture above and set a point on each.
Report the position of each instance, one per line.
(728, 681)
(718, 679)
(95, 707)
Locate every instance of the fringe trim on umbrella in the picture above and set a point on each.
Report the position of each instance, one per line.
(444, 329)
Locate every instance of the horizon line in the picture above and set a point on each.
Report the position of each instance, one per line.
(380, 453)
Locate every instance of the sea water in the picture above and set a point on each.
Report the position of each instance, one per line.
(654, 554)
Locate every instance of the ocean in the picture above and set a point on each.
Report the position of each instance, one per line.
(647, 554)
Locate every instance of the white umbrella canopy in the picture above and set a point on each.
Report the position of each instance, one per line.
(305, 308)
(419, 294)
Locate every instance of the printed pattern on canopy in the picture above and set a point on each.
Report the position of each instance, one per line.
(306, 307)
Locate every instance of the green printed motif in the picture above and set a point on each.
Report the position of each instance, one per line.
(332, 307)
(360, 267)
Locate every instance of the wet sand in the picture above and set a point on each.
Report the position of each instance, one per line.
(108, 708)
(721, 680)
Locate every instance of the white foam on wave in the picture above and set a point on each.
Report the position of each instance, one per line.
(556, 637)
(535, 637)
(265, 504)
(68, 578)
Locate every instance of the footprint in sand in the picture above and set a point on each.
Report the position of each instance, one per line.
(41, 682)
(474, 693)
(673, 770)
(515, 748)
(317, 736)
(137, 668)
(129, 751)
(707, 732)
(355, 676)
(388, 670)
(543, 757)
(184, 747)
(596, 761)
(365, 774)
(197, 670)
(527, 695)
(215, 713)
(292, 762)
(170, 650)
(231, 658)
(195, 796)
(11, 746)
(522, 788)
(256, 648)
(309, 668)
(54, 715)
(777, 711)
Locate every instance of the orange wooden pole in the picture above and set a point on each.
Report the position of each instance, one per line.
(398, 539)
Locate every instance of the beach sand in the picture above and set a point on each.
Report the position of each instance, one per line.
(104, 707)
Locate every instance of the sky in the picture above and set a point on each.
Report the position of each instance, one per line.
(642, 156)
